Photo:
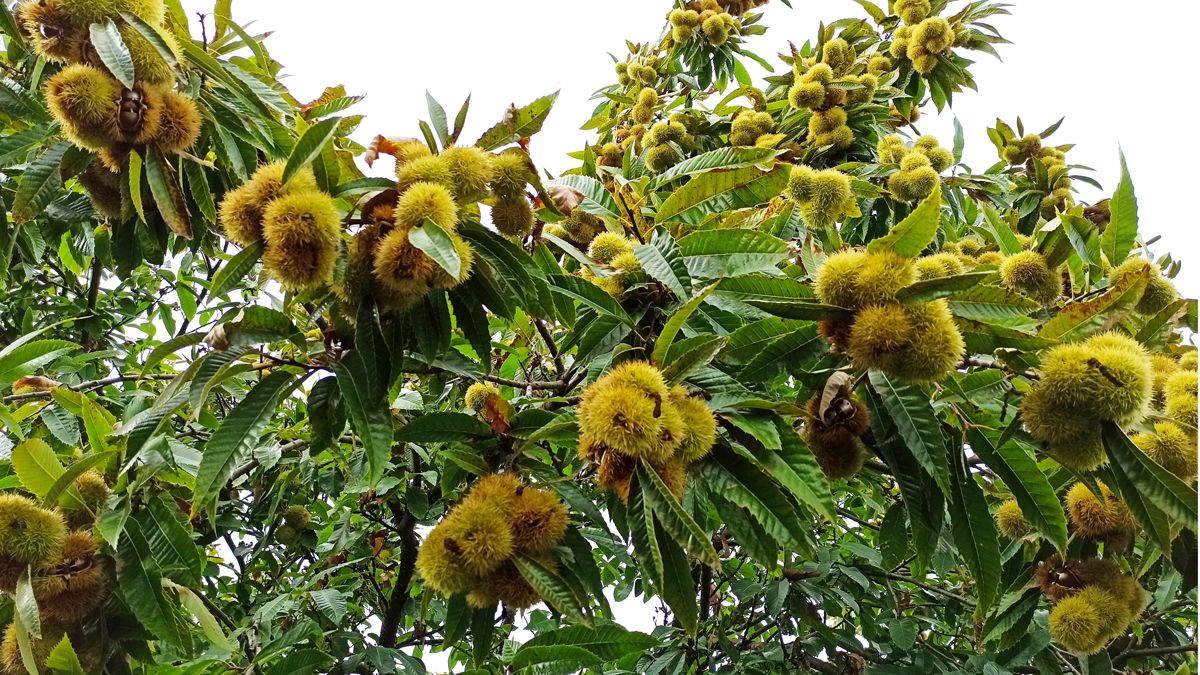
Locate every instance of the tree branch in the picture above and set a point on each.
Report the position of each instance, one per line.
(1152, 651)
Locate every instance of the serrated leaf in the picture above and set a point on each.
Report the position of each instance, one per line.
(975, 535)
(710, 254)
(934, 289)
(789, 349)
(310, 145)
(747, 486)
(675, 520)
(910, 236)
(694, 354)
(441, 427)
(1159, 486)
(141, 586)
(721, 158)
(302, 662)
(362, 376)
(40, 183)
(155, 36)
(1117, 239)
(112, 52)
(238, 431)
(168, 196)
(608, 642)
(22, 359)
(518, 123)
(194, 605)
(34, 462)
(63, 483)
(663, 262)
(1029, 486)
(552, 588)
(1077, 319)
(915, 419)
(722, 192)
(987, 302)
(63, 660)
(675, 323)
(589, 294)
(597, 200)
(234, 271)
(438, 245)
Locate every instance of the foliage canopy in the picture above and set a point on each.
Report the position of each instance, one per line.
(767, 359)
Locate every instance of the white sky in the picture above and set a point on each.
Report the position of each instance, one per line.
(1117, 75)
(1070, 57)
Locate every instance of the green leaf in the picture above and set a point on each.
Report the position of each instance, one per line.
(984, 303)
(63, 660)
(796, 468)
(910, 236)
(721, 158)
(1079, 319)
(238, 431)
(40, 183)
(155, 36)
(438, 245)
(933, 289)
(198, 187)
(589, 294)
(141, 587)
(677, 522)
(1029, 486)
(169, 538)
(663, 262)
(235, 270)
(62, 484)
(1117, 239)
(194, 605)
(985, 338)
(710, 254)
(112, 52)
(437, 115)
(722, 192)
(310, 145)
(441, 427)
(135, 184)
(19, 360)
(674, 324)
(250, 326)
(893, 537)
(1000, 231)
(694, 354)
(1099, 663)
(608, 643)
(25, 608)
(678, 588)
(552, 588)
(975, 535)
(518, 123)
(597, 200)
(747, 486)
(168, 347)
(167, 194)
(302, 662)
(790, 349)
(551, 660)
(36, 465)
(1159, 486)
(914, 417)
(362, 379)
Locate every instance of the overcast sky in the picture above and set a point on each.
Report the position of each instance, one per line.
(1117, 75)
(1109, 72)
